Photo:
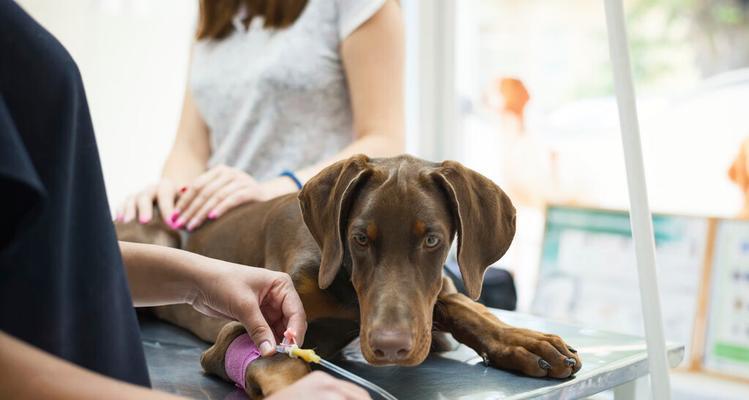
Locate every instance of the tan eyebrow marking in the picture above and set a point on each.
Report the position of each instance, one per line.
(419, 228)
(372, 231)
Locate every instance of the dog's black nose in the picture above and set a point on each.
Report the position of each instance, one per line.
(391, 345)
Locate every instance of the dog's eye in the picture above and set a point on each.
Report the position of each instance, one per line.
(432, 241)
(361, 239)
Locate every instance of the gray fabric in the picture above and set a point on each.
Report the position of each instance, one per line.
(278, 99)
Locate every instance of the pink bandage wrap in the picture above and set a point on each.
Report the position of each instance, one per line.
(241, 352)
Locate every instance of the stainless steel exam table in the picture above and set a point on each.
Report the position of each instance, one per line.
(610, 361)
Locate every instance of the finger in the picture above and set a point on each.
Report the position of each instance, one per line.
(284, 302)
(192, 190)
(165, 199)
(239, 197)
(258, 329)
(293, 311)
(129, 209)
(223, 194)
(203, 195)
(144, 205)
(120, 213)
(202, 214)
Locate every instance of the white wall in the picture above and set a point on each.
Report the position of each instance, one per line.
(133, 57)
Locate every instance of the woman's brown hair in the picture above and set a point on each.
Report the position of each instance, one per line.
(215, 21)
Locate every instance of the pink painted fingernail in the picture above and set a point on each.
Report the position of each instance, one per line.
(144, 220)
(174, 215)
(213, 214)
(180, 222)
(192, 225)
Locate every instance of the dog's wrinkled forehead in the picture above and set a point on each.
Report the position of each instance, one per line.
(401, 188)
(401, 173)
(402, 168)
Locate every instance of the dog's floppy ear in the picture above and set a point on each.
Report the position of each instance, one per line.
(485, 219)
(324, 201)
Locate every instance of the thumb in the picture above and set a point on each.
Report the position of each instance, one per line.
(259, 331)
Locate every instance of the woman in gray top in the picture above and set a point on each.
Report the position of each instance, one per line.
(278, 87)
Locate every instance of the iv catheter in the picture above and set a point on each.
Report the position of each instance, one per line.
(309, 355)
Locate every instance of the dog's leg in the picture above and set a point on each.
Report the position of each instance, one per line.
(264, 376)
(186, 317)
(501, 345)
(331, 327)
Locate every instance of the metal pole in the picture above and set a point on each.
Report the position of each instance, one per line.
(640, 218)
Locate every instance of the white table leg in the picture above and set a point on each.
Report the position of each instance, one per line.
(633, 390)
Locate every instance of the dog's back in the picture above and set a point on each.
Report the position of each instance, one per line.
(252, 234)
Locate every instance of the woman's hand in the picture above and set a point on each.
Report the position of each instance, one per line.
(140, 204)
(264, 301)
(220, 189)
(321, 386)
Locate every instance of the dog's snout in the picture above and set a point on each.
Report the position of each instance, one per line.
(391, 345)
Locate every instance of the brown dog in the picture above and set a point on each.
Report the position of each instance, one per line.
(364, 243)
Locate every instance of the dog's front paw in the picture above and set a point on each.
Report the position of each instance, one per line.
(531, 353)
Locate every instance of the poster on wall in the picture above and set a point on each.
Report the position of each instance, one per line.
(727, 338)
(588, 273)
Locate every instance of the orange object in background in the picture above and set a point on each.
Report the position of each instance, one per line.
(738, 172)
(515, 96)
(530, 165)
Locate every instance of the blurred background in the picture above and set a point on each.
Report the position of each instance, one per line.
(521, 91)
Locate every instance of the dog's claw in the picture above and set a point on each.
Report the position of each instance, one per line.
(571, 349)
(486, 358)
(543, 364)
(570, 362)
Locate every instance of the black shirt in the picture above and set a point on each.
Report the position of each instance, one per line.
(62, 282)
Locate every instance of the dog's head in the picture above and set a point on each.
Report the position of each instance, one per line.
(391, 222)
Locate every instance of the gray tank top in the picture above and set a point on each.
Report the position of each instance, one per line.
(278, 99)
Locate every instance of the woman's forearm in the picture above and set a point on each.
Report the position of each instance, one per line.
(189, 155)
(373, 145)
(159, 275)
(29, 373)
(182, 167)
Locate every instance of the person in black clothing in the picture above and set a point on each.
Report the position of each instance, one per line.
(67, 324)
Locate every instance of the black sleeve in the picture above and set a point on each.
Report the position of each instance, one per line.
(21, 190)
